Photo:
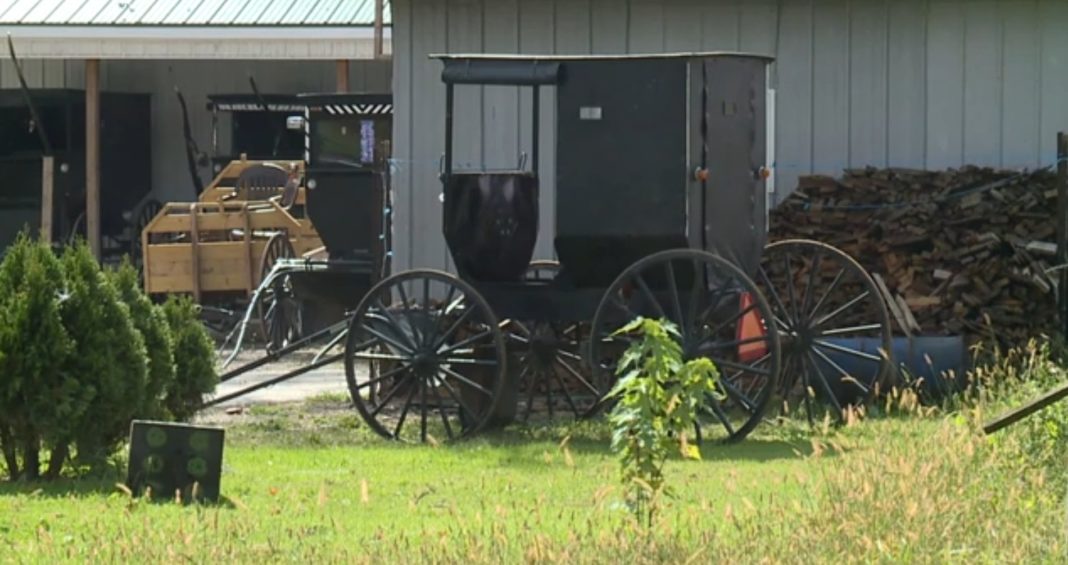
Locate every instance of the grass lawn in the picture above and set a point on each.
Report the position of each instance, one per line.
(309, 482)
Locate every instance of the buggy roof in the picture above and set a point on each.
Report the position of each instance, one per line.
(603, 57)
(530, 70)
(253, 103)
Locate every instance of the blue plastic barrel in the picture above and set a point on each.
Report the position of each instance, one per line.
(936, 365)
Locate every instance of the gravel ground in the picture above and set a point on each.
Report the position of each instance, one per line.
(323, 381)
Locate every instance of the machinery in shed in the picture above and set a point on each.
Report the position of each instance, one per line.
(42, 162)
(660, 171)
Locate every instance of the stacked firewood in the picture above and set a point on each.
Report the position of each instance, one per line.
(962, 251)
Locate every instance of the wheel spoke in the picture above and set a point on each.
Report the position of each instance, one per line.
(847, 351)
(379, 357)
(649, 295)
(735, 318)
(790, 290)
(826, 386)
(841, 309)
(404, 412)
(737, 396)
(382, 377)
(387, 339)
(740, 367)
(706, 346)
(531, 385)
(466, 381)
(691, 314)
(386, 399)
(396, 323)
(826, 294)
(846, 377)
(445, 419)
(717, 410)
(468, 361)
(777, 300)
(452, 329)
(676, 300)
(812, 274)
(578, 377)
(851, 330)
(465, 342)
(563, 388)
(422, 409)
(457, 397)
(416, 339)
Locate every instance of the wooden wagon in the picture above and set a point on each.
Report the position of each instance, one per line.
(218, 248)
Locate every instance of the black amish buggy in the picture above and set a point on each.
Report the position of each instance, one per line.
(659, 174)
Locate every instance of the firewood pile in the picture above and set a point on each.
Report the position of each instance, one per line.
(961, 251)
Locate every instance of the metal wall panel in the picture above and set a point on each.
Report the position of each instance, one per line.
(982, 81)
(906, 84)
(867, 83)
(911, 83)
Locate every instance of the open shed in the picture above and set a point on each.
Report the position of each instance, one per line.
(202, 47)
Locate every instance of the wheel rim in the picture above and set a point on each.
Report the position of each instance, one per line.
(709, 300)
(279, 309)
(435, 358)
(834, 323)
(546, 358)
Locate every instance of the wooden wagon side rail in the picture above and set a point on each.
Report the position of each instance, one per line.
(215, 247)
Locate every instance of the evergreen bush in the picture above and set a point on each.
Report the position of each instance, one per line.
(194, 358)
(41, 401)
(151, 322)
(109, 355)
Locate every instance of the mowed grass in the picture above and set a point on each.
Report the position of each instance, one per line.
(310, 483)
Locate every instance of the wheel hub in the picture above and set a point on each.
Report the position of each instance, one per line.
(543, 346)
(425, 364)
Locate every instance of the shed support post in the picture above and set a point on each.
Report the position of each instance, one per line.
(1062, 229)
(379, 11)
(342, 75)
(48, 184)
(92, 155)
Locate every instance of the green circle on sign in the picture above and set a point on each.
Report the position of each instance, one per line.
(153, 464)
(197, 467)
(156, 437)
(199, 441)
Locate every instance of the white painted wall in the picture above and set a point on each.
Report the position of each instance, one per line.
(197, 79)
(910, 83)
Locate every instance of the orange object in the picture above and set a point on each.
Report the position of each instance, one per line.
(751, 326)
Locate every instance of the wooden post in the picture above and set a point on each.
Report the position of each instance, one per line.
(1062, 228)
(342, 70)
(379, 17)
(92, 155)
(48, 172)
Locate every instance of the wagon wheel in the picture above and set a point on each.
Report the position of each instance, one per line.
(436, 358)
(145, 214)
(719, 313)
(278, 307)
(834, 325)
(546, 359)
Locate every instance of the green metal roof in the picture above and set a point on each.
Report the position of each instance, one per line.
(191, 12)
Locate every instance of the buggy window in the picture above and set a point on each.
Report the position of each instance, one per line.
(348, 141)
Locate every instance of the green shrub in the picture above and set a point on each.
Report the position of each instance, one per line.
(109, 354)
(194, 357)
(658, 396)
(151, 322)
(41, 402)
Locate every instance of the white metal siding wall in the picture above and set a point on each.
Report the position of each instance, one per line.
(197, 79)
(911, 83)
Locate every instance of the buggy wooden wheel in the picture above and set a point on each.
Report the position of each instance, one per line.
(834, 325)
(437, 358)
(546, 361)
(279, 308)
(719, 314)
